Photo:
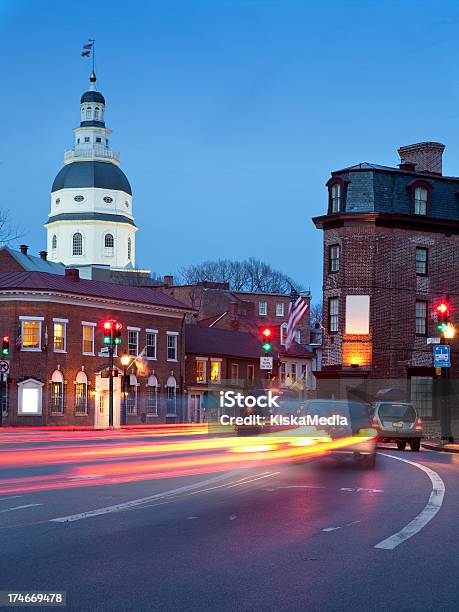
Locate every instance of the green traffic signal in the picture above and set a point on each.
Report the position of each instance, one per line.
(107, 340)
(117, 340)
(267, 346)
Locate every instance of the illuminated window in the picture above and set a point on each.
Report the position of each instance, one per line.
(421, 317)
(77, 244)
(88, 339)
(421, 261)
(280, 309)
(59, 336)
(201, 370)
(30, 393)
(215, 371)
(262, 308)
(334, 258)
(420, 201)
(31, 335)
(81, 393)
(235, 373)
(151, 344)
(171, 347)
(56, 393)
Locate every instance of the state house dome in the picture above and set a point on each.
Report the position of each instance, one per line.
(104, 175)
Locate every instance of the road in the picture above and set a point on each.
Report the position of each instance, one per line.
(121, 527)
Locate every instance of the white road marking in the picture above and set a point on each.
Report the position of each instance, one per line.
(232, 517)
(191, 518)
(425, 516)
(87, 477)
(135, 503)
(301, 487)
(340, 526)
(20, 507)
(361, 490)
(10, 497)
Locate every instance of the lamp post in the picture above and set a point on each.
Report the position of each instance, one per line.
(125, 360)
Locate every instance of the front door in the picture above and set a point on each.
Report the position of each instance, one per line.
(102, 403)
(196, 412)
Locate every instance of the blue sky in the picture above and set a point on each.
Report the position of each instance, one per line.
(229, 115)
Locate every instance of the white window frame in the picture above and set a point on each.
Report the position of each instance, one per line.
(235, 379)
(172, 334)
(63, 322)
(421, 196)
(109, 251)
(85, 397)
(154, 333)
(262, 309)
(73, 244)
(250, 367)
(135, 331)
(283, 333)
(335, 198)
(30, 383)
(91, 326)
(39, 320)
(280, 309)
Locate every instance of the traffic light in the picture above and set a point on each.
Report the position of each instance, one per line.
(442, 310)
(5, 346)
(117, 327)
(266, 337)
(108, 332)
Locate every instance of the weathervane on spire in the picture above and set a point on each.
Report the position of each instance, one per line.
(89, 51)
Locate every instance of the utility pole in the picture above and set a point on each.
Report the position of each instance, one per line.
(447, 330)
(110, 387)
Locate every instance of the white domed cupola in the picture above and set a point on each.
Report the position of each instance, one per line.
(91, 197)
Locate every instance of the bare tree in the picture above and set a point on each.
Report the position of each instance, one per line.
(317, 313)
(9, 233)
(248, 275)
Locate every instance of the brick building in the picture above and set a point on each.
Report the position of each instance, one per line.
(217, 358)
(391, 251)
(57, 360)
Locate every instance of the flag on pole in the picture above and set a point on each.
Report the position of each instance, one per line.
(87, 50)
(19, 338)
(297, 308)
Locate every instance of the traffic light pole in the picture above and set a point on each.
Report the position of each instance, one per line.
(110, 388)
(445, 416)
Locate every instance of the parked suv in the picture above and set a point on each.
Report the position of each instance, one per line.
(398, 422)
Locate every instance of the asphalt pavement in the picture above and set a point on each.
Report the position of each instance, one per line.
(117, 534)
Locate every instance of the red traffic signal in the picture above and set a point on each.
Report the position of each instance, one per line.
(266, 338)
(112, 332)
(442, 310)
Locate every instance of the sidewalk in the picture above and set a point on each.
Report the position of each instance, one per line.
(436, 445)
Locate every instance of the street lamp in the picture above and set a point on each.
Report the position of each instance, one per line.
(125, 360)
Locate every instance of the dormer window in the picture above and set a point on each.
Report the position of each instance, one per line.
(335, 198)
(420, 201)
(337, 188)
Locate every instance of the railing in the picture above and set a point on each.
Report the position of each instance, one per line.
(91, 153)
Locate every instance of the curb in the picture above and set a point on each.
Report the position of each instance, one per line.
(437, 447)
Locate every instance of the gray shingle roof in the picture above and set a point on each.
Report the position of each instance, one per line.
(31, 263)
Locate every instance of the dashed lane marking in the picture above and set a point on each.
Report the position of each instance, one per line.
(425, 516)
(19, 508)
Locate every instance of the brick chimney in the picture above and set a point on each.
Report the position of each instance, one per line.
(168, 281)
(24, 248)
(43, 254)
(72, 274)
(424, 156)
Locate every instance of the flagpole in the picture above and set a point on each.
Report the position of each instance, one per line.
(91, 40)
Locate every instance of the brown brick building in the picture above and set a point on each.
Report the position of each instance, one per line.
(57, 356)
(391, 252)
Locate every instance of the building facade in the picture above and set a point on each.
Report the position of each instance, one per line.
(391, 251)
(58, 361)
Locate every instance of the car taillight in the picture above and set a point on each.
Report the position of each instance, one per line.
(418, 424)
(374, 422)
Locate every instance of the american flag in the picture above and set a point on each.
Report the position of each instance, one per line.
(296, 310)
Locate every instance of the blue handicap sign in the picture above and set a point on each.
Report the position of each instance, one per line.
(441, 355)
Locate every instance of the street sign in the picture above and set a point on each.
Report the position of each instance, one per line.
(266, 363)
(4, 366)
(433, 340)
(441, 355)
(103, 351)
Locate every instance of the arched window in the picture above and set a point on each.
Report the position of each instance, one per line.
(81, 393)
(171, 396)
(109, 243)
(131, 395)
(96, 113)
(54, 242)
(152, 396)
(56, 394)
(77, 244)
(88, 112)
(283, 333)
(129, 249)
